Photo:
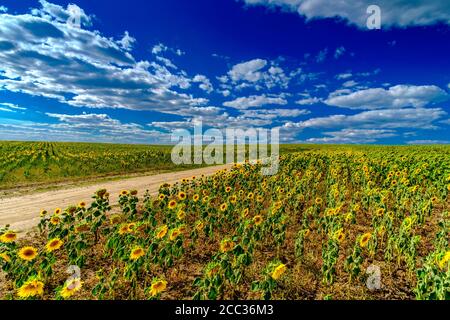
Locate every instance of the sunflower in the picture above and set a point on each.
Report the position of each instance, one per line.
(161, 197)
(174, 233)
(136, 253)
(278, 271)
(161, 232)
(181, 195)
(55, 220)
(134, 192)
(123, 229)
(339, 235)
(223, 207)
(365, 239)
(71, 287)
(5, 257)
(226, 245)
(258, 220)
(233, 199)
(58, 211)
(245, 213)
(8, 236)
(434, 200)
(31, 288)
(43, 213)
(394, 182)
(250, 195)
(181, 214)
(380, 212)
(199, 226)
(172, 204)
(444, 260)
(227, 189)
(157, 287)
(124, 192)
(318, 201)
(195, 197)
(82, 204)
(54, 244)
(28, 253)
(259, 198)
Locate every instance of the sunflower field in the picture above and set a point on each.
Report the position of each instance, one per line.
(31, 163)
(333, 223)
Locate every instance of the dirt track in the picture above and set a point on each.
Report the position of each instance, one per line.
(22, 212)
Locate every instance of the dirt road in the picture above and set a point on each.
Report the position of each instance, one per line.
(22, 212)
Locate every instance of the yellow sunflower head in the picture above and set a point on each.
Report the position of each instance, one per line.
(82, 204)
(8, 237)
(161, 232)
(54, 220)
(158, 286)
(258, 220)
(278, 271)
(172, 204)
(124, 192)
(31, 288)
(181, 214)
(223, 207)
(28, 253)
(195, 197)
(136, 253)
(58, 211)
(181, 195)
(174, 233)
(226, 245)
(54, 244)
(364, 240)
(71, 287)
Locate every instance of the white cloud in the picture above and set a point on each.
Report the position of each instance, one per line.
(349, 83)
(428, 142)
(3, 9)
(158, 48)
(205, 83)
(343, 76)
(308, 101)
(352, 136)
(11, 107)
(395, 97)
(127, 41)
(248, 71)
(419, 118)
(50, 11)
(400, 13)
(255, 101)
(46, 57)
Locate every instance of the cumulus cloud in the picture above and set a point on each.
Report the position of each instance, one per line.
(3, 9)
(256, 73)
(205, 83)
(400, 13)
(395, 97)
(127, 41)
(44, 56)
(255, 101)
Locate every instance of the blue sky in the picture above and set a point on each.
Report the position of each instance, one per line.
(137, 70)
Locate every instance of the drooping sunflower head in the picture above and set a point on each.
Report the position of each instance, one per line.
(8, 237)
(161, 232)
(31, 288)
(136, 253)
(364, 240)
(158, 286)
(54, 244)
(174, 233)
(226, 245)
(28, 253)
(278, 271)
